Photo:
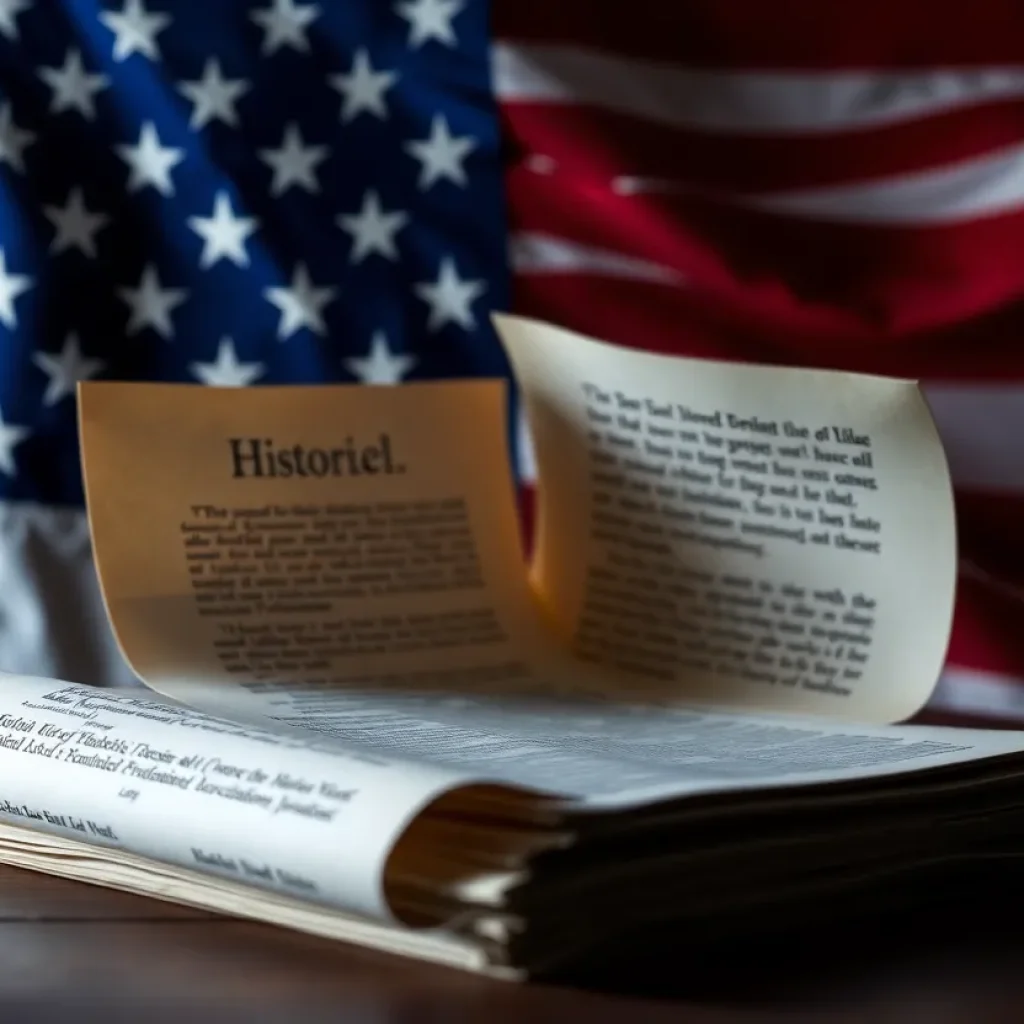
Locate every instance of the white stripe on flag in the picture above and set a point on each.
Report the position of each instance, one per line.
(979, 187)
(747, 102)
(52, 620)
(536, 253)
(982, 429)
(971, 692)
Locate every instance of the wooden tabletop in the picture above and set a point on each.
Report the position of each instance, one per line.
(71, 952)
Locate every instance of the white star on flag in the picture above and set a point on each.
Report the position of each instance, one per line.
(227, 371)
(213, 97)
(150, 162)
(442, 154)
(13, 140)
(301, 304)
(11, 286)
(284, 23)
(65, 369)
(73, 87)
(450, 297)
(430, 19)
(9, 11)
(293, 163)
(151, 305)
(135, 30)
(363, 88)
(380, 365)
(223, 233)
(373, 230)
(10, 437)
(75, 225)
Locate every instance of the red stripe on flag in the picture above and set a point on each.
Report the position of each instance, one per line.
(602, 145)
(987, 634)
(989, 530)
(677, 321)
(829, 288)
(783, 34)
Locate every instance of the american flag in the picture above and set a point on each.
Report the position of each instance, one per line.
(228, 193)
(288, 191)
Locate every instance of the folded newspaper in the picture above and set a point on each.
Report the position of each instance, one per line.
(370, 720)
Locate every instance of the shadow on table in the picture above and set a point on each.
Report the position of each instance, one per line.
(942, 935)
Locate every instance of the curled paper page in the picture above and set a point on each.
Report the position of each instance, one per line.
(746, 536)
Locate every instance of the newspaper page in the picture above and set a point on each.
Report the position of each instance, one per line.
(612, 754)
(310, 535)
(386, 660)
(312, 822)
(764, 537)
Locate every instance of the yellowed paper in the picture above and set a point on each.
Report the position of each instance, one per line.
(308, 535)
(741, 535)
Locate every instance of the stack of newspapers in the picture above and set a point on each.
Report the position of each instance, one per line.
(368, 716)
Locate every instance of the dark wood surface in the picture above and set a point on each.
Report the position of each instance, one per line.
(70, 952)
